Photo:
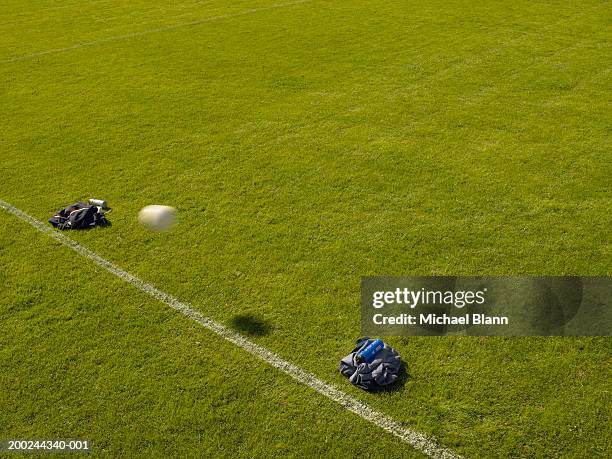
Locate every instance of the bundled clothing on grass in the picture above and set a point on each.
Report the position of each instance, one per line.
(79, 216)
(380, 372)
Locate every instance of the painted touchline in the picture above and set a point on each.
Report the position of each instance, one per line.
(425, 443)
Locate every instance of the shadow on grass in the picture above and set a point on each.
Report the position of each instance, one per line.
(251, 325)
(106, 224)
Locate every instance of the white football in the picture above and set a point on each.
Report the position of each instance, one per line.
(157, 218)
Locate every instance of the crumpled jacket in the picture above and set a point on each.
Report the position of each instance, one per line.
(382, 371)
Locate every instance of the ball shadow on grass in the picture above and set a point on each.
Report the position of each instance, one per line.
(251, 325)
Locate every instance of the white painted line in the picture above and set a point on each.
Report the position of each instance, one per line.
(420, 441)
(148, 32)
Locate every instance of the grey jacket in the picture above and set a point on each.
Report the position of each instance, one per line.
(382, 371)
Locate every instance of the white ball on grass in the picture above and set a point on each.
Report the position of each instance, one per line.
(157, 218)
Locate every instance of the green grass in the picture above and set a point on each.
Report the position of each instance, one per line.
(85, 355)
(304, 147)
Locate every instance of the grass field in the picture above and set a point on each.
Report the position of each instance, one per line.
(304, 144)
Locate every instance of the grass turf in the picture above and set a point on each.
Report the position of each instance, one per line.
(136, 379)
(305, 146)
